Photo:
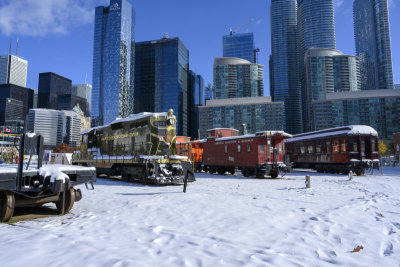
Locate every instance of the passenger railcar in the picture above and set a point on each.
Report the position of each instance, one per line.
(141, 147)
(338, 150)
(260, 154)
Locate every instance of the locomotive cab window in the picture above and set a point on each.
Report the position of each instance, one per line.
(248, 147)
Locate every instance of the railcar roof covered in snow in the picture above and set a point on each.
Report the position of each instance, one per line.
(346, 130)
(132, 117)
(258, 134)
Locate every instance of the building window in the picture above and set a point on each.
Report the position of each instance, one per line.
(238, 148)
(248, 147)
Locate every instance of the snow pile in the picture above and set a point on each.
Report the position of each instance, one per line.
(220, 221)
(54, 173)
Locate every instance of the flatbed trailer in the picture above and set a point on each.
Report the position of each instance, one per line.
(23, 185)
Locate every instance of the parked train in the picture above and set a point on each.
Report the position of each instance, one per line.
(338, 150)
(141, 147)
(191, 149)
(260, 154)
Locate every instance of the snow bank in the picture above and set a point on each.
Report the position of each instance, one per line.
(220, 221)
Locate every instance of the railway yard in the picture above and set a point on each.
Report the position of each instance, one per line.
(222, 220)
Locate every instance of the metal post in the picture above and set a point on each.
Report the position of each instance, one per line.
(350, 175)
(308, 181)
(1, 154)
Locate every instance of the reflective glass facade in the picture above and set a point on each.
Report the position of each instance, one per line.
(240, 45)
(285, 85)
(257, 113)
(197, 98)
(234, 77)
(26, 95)
(328, 71)
(161, 79)
(51, 85)
(379, 109)
(113, 62)
(372, 36)
(316, 29)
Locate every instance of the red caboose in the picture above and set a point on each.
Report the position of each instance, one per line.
(257, 154)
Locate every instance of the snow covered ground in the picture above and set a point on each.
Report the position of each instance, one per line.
(220, 221)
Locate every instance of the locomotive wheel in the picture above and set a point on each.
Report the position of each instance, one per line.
(69, 201)
(7, 205)
(273, 173)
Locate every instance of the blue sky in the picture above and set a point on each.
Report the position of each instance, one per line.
(57, 35)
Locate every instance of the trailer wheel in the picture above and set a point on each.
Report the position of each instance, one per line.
(273, 173)
(69, 201)
(7, 205)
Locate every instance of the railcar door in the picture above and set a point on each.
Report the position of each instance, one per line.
(368, 147)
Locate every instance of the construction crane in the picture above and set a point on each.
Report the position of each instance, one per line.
(238, 29)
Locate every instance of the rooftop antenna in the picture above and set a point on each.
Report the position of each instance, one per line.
(16, 52)
(9, 51)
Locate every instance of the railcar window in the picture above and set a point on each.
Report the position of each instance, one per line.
(310, 149)
(353, 147)
(362, 146)
(248, 147)
(280, 147)
(373, 145)
(238, 148)
(302, 150)
(336, 146)
(261, 148)
(226, 148)
(343, 145)
(219, 134)
(318, 149)
(328, 147)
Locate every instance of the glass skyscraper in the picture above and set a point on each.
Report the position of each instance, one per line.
(161, 79)
(316, 29)
(235, 77)
(284, 72)
(240, 45)
(113, 62)
(372, 36)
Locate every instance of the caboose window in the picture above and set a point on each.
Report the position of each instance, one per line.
(261, 148)
(219, 134)
(226, 148)
(238, 148)
(248, 147)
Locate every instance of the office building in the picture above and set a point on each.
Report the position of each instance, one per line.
(68, 102)
(161, 79)
(209, 92)
(248, 115)
(56, 126)
(397, 86)
(25, 95)
(328, 71)
(239, 45)
(316, 29)
(10, 109)
(84, 91)
(197, 98)
(236, 78)
(372, 36)
(284, 69)
(13, 70)
(379, 109)
(51, 85)
(113, 62)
